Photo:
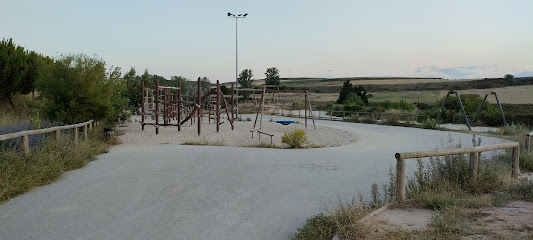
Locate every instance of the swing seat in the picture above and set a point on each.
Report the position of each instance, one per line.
(285, 122)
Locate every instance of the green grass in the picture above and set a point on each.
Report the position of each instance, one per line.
(43, 165)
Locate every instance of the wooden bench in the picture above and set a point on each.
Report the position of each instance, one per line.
(253, 130)
(261, 132)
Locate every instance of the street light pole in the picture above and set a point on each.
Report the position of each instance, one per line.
(236, 58)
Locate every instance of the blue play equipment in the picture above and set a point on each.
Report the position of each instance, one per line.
(285, 122)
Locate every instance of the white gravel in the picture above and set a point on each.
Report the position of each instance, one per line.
(240, 136)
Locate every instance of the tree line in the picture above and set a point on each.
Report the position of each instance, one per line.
(77, 87)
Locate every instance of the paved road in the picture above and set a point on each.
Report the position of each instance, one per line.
(207, 192)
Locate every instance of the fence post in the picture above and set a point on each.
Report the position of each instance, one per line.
(331, 115)
(57, 135)
(528, 143)
(84, 132)
(400, 180)
(474, 161)
(516, 157)
(25, 144)
(91, 126)
(76, 135)
(343, 115)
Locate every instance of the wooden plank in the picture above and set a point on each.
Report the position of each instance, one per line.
(85, 132)
(516, 162)
(25, 144)
(474, 162)
(407, 155)
(76, 136)
(400, 180)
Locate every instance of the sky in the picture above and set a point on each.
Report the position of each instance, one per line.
(302, 38)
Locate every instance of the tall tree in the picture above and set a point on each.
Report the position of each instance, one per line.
(119, 98)
(346, 89)
(133, 89)
(245, 80)
(272, 76)
(206, 84)
(12, 68)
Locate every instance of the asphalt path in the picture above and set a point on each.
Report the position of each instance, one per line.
(212, 192)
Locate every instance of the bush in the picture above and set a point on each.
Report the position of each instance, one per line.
(75, 90)
(401, 105)
(295, 139)
(429, 123)
(317, 227)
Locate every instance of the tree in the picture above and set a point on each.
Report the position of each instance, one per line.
(272, 76)
(361, 92)
(76, 90)
(184, 82)
(245, 80)
(346, 89)
(508, 77)
(119, 98)
(12, 68)
(133, 89)
(206, 84)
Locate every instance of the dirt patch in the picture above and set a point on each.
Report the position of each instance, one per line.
(514, 220)
(406, 219)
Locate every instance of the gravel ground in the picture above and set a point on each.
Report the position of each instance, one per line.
(239, 137)
(167, 191)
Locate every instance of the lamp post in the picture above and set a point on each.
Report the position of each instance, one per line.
(231, 15)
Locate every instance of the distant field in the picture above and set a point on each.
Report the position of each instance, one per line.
(511, 95)
(339, 82)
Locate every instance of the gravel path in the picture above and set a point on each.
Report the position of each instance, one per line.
(166, 191)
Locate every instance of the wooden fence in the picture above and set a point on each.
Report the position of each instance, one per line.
(474, 159)
(25, 134)
(344, 115)
(528, 142)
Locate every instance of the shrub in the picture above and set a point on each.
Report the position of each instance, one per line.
(394, 117)
(295, 139)
(317, 227)
(76, 90)
(429, 123)
(46, 162)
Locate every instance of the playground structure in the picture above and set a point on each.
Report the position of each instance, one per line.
(175, 111)
(467, 122)
(277, 105)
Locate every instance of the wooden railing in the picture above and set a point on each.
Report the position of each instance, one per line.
(474, 159)
(25, 134)
(528, 142)
(343, 115)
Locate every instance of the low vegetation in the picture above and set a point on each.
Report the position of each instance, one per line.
(441, 184)
(47, 161)
(295, 139)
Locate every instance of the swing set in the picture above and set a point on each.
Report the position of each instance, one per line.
(467, 122)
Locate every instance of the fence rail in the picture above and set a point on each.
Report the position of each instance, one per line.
(343, 115)
(474, 160)
(25, 134)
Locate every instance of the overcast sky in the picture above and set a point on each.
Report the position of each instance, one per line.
(302, 38)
